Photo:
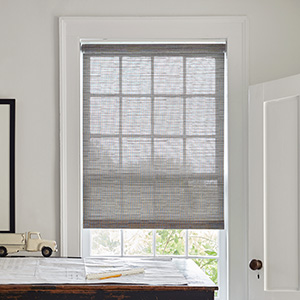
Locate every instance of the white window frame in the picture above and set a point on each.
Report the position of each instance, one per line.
(233, 30)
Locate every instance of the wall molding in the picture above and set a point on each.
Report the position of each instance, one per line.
(234, 30)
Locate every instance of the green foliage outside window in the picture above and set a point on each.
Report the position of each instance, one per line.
(170, 242)
(201, 243)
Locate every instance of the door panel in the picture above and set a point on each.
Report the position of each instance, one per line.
(281, 194)
(274, 189)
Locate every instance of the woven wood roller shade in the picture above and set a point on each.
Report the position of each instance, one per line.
(153, 136)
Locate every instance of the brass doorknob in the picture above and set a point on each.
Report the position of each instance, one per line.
(255, 264)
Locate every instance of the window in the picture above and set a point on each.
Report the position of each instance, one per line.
(34, 236)
(233, 31)
(153, 149)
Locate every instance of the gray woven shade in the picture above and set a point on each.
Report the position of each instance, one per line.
(153, 136)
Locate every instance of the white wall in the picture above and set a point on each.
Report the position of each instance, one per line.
(29, 72)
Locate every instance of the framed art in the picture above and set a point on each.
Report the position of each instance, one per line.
(7, 165)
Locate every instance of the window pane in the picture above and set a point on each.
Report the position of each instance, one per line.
(104, 115)
(209, 267)
(169, 193)
(200, 75)
(103, 200)
(200, 116)
(200, 155)
(103, 155)
(136, 116)
(170, 242)
(168, 116)
(168, 155)
(202, 199)
(136, 75)
(137, 155)
(138, 241)
(104, 75)
(168, 75)
(105, 242)
(203, 242)
(138, 198)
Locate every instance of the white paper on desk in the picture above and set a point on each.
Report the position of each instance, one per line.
(41, 270)
(157, 272)
(29, 270)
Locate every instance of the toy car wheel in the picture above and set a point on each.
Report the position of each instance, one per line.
(46, 251)
(3, 251)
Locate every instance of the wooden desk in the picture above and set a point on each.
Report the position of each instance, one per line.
(199, 287)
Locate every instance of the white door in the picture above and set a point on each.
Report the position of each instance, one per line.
(274, 189)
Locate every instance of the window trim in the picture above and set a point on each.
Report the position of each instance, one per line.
(73, 30)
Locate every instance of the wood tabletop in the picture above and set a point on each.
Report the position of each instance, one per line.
(198, 284)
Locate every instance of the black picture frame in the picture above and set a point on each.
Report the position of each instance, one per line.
(12, 117)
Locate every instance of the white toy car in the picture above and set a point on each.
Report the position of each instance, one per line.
(32, 242)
